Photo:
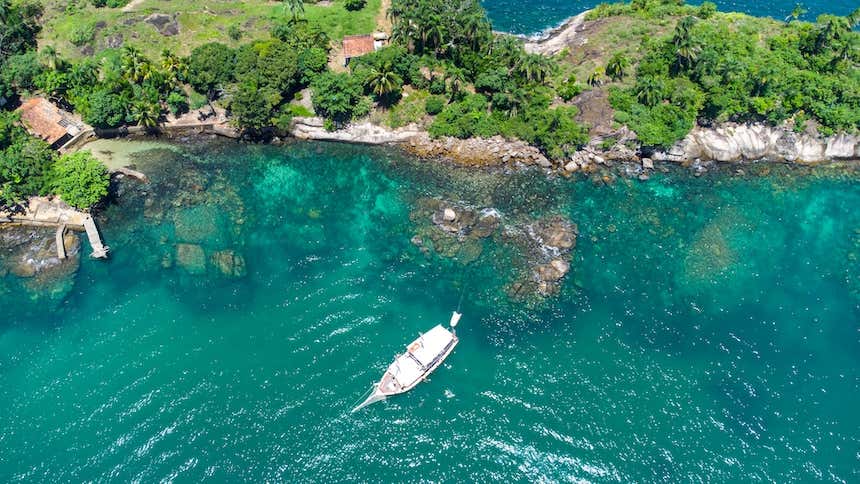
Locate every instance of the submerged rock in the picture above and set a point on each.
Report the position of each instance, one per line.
(541, 247)
(30, 253)
(229, 263)
(191, 258)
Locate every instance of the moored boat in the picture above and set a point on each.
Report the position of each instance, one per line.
(410, 368)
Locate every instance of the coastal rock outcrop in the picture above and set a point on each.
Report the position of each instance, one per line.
(541, 247)
(30, 253)
(746, 142)
(362, 133)
(478, 151)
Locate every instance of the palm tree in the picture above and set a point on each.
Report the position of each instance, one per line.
(616, 65)
(133, 65)
(295, 7)
(51, 58)
(173, 65)
(384, 82)
(684, 28)
(146, 113)
(456, 81)
(649, 90)
(686, 49)
(534, 67)
(596, 77)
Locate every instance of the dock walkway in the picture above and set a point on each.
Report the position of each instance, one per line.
(51, 212)
(61, 243)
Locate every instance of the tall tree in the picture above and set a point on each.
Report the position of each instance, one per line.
(686, 48)
(534, 67)
(384, 83)
(616, 65)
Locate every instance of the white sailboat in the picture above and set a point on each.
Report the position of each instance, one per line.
(421, 358)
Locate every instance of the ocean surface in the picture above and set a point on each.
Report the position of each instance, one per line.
(709, 329)
(534, 17)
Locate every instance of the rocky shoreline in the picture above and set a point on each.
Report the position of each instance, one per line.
(729, 142)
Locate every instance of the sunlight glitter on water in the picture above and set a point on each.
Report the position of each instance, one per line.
(717, 310)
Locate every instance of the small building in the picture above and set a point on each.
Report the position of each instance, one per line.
(357, 46)
(45, 120)
(379, 40)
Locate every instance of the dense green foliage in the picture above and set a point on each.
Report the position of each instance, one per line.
(210, 67)
(453, 41)
(25, 162)
(80, 179)
(336, 95)
(434, 105)
(28, 167)
(448, 28)
(354, 4)
(718, 68)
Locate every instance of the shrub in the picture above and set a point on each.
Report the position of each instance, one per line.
(234, 32)
(104, 109)
(335, 95)
(706, 10)
(82, 34)
(354, 5)
(177, 102)
(80, 179)
(25, 167)
(569, 89)
(437, 86)
(434, 105)
(493, 81)
(20, 71)
(464, 119)
(312, 61)
(362, 107)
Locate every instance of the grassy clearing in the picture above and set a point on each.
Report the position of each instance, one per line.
(628, 33)
(199, 22)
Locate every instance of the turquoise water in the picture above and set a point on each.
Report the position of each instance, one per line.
(707, 331)
(533, 17)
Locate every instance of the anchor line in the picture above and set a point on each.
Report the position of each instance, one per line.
(362, 397)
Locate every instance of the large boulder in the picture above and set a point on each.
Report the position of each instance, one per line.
(747, 142)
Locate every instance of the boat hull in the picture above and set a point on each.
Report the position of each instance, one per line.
(392, 382)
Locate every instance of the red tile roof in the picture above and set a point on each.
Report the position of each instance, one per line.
(357, 45)
(43, 119)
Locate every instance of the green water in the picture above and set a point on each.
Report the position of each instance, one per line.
(707, 331)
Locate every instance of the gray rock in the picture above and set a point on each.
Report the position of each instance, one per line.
(164, 24)
(738, 142)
